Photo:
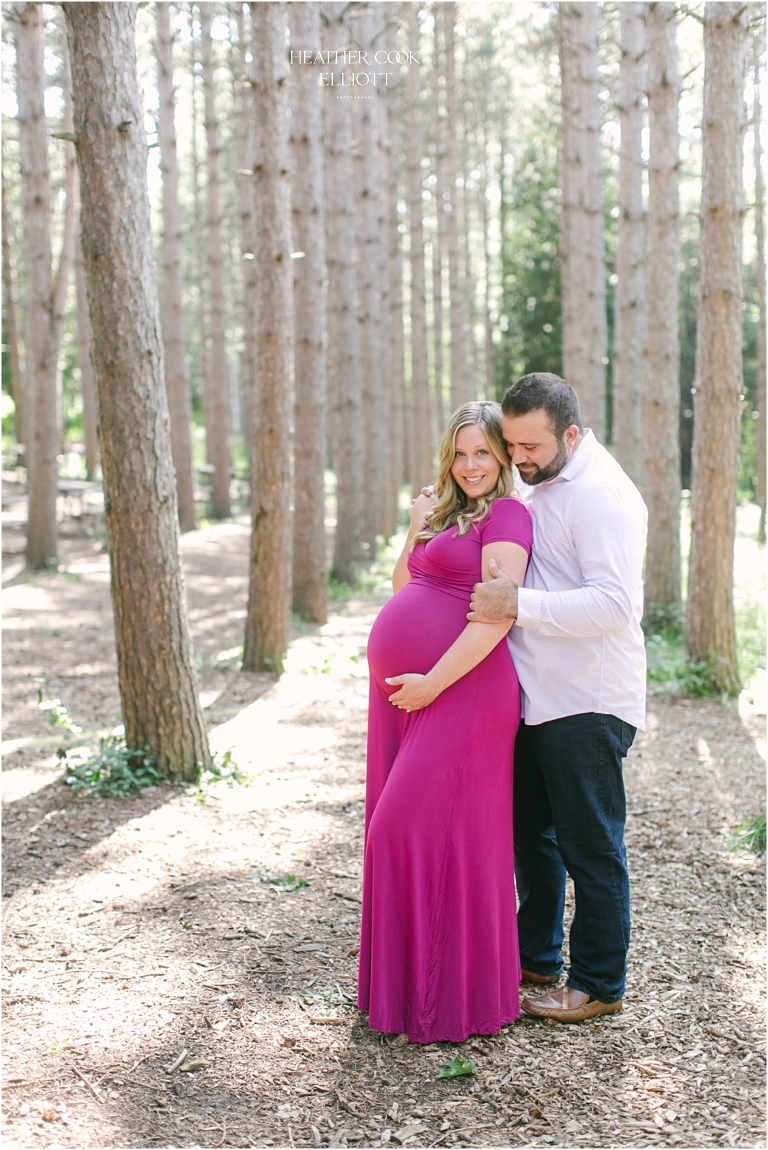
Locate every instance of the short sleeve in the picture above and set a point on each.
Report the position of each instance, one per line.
(508, 521)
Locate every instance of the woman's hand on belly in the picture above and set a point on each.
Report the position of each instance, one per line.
(416, 692)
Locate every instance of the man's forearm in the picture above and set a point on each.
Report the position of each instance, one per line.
(582, 612)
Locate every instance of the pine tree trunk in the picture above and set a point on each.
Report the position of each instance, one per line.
(309, 571)
(267, 628)
(486, 222)
(176, 381)
(710, 631)
(396, 336)
(61, 278)
(630, 255)
(661, 414)
(474, 383)
(440, 235)
(460, 391)
(761, 320)
(420, 466)
(87, 380)
(344, 404)
(366, 181)
(41, 347)
(158, 691)
(201, 278)
(18, 387)
(387, 206)
(585, 337)
(244, 158)
(217, 405)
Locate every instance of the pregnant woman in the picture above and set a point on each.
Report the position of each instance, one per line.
(439, 955)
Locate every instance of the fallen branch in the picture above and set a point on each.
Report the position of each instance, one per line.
(90, 1085)
(175, 1065)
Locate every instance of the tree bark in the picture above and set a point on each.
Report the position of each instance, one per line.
(474, 383)
(366, 232)
(661, 414)
(344, 411)
(386, 207)
(486, 223)
(61, 277)
(267, 628)
(761, 319)
(420, 454)
(244, 155)
(217, 404)
(160, 705)
(460, 389)
(396, 336)
(585, 336)
(201, 278)
(87, 380)
(710, 632)
(630, 255)
(41, 347)
(18, 387)
(439, 240)
(310, 582)
(176, 381)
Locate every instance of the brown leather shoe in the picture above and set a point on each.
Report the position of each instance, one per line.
(568, 1005)
(544, 979)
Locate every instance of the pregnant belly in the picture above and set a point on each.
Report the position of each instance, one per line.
(413, 630)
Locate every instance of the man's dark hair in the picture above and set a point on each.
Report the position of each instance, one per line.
(541, 390)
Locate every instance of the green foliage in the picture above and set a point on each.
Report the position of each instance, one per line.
(750, 638)
(749, 836)
(671, 673)
(669, 669)
(224, 769)
(58, 714)
(749, 412)
(457, 1068)
(529, 333)
(282, 883)
(113, 771)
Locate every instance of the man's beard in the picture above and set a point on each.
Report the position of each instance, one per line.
(541, 474)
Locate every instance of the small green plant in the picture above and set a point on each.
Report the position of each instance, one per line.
(113, 771)
(224, 769)
(457, 1068)
(749, 836)
(282, 883)
(232, 657)
(750, 638)
(671, 673)
(58, 714)
(664, 619)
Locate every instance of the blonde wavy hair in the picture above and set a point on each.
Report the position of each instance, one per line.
(453, 507)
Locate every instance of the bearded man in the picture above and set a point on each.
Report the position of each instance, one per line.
(578, 650)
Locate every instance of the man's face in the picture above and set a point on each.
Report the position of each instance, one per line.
(534, 448)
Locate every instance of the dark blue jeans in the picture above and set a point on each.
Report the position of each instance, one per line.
(570, 812)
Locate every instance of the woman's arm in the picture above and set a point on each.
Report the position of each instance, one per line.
(476, 641)
(418, 510)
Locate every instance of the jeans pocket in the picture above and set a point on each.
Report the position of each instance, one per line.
(628, 733)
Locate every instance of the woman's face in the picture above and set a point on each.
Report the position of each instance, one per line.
(475, 468)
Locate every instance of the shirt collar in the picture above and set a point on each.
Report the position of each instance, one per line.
(578, 460)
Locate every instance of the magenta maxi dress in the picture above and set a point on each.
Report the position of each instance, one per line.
(439, 956)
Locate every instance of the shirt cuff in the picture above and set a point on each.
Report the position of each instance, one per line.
(529, 603)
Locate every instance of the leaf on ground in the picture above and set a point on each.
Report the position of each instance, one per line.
(457, 1068)
(411, 1131)
(288, 882)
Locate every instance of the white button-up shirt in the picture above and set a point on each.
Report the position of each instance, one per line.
(577, 644)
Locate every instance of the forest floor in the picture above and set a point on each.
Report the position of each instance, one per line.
(161, 931)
